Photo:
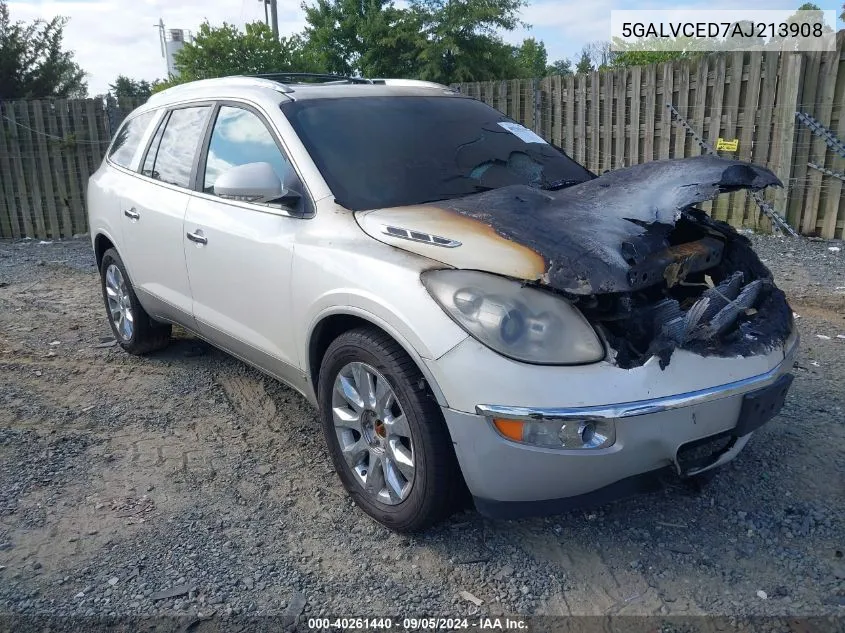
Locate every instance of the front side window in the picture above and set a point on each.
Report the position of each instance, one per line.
(175, 153)
(240, 137)
(128, 138)
(377, 152)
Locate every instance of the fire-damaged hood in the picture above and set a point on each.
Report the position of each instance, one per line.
(590, 238)
(628, 248)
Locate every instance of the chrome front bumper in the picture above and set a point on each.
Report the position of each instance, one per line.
(644, 407)
(649, 433)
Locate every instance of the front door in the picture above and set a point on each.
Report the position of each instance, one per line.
(239, 254)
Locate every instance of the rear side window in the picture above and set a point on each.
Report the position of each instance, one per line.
(172, 153)
(128, 138)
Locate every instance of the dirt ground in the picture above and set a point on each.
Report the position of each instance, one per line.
(187, 483)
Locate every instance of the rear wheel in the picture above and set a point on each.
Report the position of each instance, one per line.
(385, 432)
(134, 329)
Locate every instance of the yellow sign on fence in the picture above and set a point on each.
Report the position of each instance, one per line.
(727, 145)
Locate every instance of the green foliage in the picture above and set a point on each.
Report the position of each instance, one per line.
(461, 40)
(124, 86)
(439, 40)
(639, 57)
(32, 62)
(585, 63)
(561, 67)
(219, 51)
(371, 38)
(531, 58)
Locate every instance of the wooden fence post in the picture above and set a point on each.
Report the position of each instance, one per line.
(786, 101)
(833, 202)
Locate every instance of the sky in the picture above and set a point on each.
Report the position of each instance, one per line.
(113, 37)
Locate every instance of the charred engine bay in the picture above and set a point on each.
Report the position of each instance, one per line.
(646, 267)
(714, 298)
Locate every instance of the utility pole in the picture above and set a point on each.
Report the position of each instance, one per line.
(266, 15)
(274, 16)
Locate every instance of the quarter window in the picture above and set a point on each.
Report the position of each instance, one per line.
(149, 162)
(128, 138)
(174, 154)
(240, 137)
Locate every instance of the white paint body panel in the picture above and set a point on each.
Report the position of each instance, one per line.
(240, 279)
(488, 378)
(153, 246)
(338, 265)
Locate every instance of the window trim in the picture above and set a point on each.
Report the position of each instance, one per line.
(311, 207)
(202, 157)
(163, 121)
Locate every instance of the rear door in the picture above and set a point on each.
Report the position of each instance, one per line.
(239, 253)
(154, 213)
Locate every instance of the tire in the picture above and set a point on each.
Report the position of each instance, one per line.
(436, 485)
(143, 335)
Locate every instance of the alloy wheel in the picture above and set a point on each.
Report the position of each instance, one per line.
(373, 433)
(120, 305)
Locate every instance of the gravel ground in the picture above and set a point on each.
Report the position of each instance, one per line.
(185, 483)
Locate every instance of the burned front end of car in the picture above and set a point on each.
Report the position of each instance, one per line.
(648, 269)
(615, 330)
(706, 292)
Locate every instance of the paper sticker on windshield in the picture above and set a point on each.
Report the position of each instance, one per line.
(522, 132)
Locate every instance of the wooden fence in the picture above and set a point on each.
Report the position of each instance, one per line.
(611, 119)
(605, 120)
(48, 149)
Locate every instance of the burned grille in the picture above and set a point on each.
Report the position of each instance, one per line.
(711, 315)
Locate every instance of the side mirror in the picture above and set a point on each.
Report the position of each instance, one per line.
(253, 182)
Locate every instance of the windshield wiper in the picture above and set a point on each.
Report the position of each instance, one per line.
(560, 184)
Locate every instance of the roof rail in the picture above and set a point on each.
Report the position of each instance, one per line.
(410, 83)
(238, 80)
(326, 77)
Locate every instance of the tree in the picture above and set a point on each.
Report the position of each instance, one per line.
(219, 51)
(531, 58)
(585, 64)
(32, 62)
(370, 38)
(561, 67)
(123, 86)
(601, 54)
(462, 41)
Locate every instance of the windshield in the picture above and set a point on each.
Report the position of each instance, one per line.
(377, 152)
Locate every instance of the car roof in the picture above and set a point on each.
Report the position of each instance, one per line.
(245, 86)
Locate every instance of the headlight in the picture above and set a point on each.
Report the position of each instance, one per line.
(515, 320)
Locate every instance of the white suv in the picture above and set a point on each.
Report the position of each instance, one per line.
(468, 307)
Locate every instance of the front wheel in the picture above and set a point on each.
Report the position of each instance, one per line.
(385, 433)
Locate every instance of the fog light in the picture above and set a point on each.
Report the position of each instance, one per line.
(588, 434)
(572, 434)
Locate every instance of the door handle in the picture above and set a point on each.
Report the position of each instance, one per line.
(132, 214)
(198, 237)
